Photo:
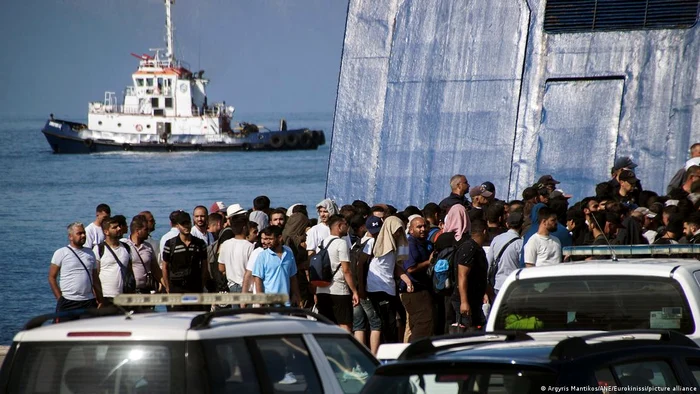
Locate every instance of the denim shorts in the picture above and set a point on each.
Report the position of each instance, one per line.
(363, 312)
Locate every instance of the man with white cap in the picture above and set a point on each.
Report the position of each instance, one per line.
(232, 212)
(319, 232)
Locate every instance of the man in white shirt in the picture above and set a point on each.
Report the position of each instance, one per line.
(172, 233)
(542, 248)
(234, 255)
(336, 301)
(80, 286)
(319, 232)
(93, 232)
(111, 256)
(200, 216)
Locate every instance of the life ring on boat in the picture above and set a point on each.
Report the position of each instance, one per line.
(292, 140)
(276, 141)
(306, 140)
(139, 127)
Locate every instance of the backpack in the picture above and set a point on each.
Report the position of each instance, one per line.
(493, 267)
(128, 278)
(442, 270)
(357, 252)
(320, 273)
(219, 283)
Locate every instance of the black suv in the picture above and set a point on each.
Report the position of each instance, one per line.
(513, 362)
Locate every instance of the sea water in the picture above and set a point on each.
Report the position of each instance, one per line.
(41, 193)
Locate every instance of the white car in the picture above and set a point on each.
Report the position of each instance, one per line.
(647, 293)
(269, 350)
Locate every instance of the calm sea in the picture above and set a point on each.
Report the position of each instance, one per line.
(40, 193)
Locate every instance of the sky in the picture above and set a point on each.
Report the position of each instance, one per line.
(260, 55)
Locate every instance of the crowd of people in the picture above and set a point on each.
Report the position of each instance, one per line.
(396, 275)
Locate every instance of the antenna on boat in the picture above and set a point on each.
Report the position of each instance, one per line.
(169, 32)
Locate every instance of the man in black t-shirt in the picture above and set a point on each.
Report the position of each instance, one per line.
(472, 272)
(185, 262)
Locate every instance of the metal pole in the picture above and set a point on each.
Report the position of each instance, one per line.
(169, 32)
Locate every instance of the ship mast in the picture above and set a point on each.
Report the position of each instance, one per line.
(169, 32)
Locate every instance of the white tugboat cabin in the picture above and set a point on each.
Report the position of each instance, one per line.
(166, 109)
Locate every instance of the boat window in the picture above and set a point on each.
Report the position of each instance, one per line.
(149, 81)
(154, 102)
(139, 81)
(595, 303)
(168, 102)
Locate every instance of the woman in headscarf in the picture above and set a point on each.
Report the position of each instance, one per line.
(455, 232)
(294, 236)
(390, 250)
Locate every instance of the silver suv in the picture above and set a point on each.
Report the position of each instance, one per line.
(255, 350)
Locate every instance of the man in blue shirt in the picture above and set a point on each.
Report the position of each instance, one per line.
(275, 268)
(417, 300)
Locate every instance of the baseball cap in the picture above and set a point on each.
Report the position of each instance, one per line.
(624, 162)
(373, 225)
(235, 209)
(515, 219)
(646, 212)
(559, 193)
(480, 191)
(217, 206)
(489, 186)
(628, 176)
(548, 180)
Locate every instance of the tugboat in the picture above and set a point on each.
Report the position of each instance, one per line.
(167, 110)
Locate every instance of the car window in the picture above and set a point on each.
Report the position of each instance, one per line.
(75, 367)
(595, 303)
(460, 380)
(230, 367)
(288, 365)
(694, 366)
(696, 275)
(351, 364)
(646, 374)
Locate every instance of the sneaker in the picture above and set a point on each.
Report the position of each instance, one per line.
(289, 378)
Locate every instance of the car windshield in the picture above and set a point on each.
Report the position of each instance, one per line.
(594, 303)
(460, 380)
(89, 367)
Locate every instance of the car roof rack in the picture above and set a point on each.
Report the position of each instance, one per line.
(202, 321)
(631, 250)
(575, 347)
(132, 300)
(426, 346)
(39, 321)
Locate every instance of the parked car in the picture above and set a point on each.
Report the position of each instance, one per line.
(512, 362)
(660, 293)
(254, 350)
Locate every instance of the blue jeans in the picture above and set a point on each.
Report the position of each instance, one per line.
(364, 312)
(235, 288)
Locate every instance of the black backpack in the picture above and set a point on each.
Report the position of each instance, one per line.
(493, 268)
(219, 281)
(320, 272)
(356, 252)
(128, 278)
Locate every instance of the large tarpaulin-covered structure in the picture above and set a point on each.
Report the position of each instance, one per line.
(507, 91)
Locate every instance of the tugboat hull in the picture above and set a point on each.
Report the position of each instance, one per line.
(74, 138)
